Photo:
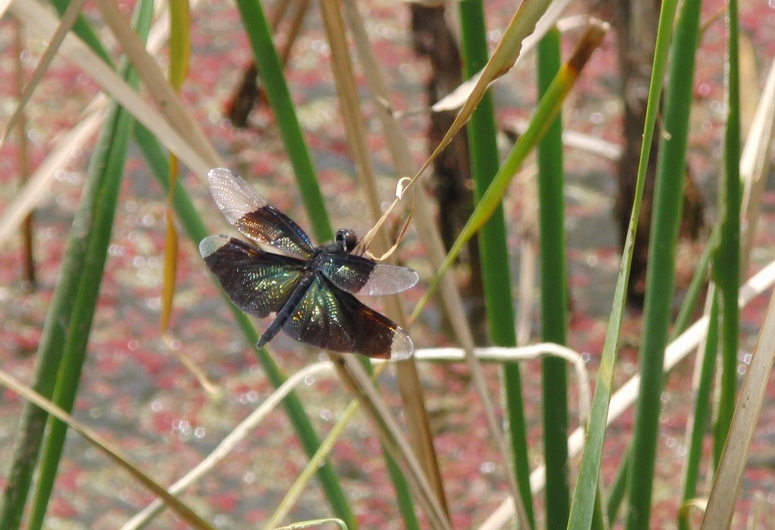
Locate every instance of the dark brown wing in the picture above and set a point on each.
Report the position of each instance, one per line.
(257, 282)
(332, 319)
(248, 212)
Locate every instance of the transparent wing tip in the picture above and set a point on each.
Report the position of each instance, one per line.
(402, 347)
(219, 174)
(211, 244)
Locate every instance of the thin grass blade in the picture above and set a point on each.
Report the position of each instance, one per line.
(106, 447)
(583, 505)
(279, 97)
(729, 476)
(411, 391)
(547, 110)
(554, 296)
(108, 167)
(89, 281)
(522, 24)
(493, 249)
(68, 19)
(726, 262)
(180, 48)
(660, 280)
(697, 424)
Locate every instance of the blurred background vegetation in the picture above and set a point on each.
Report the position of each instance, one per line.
(603, 213)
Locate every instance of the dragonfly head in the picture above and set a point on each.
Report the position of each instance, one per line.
(346, 240)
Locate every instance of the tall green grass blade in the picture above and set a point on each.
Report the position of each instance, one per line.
(27, 444)
(74, 354)
(110, 156)
(583, 505)
(726, 262)
(49, 355)
(195, 228)
(660, 279)
(617, 490)
(618, 487)
(694, 291)
(702, 400)
(68, 319)
(547, 110)
(554, 296)
(273, 81)
(84, 31)
(403, 493)
(493, 248)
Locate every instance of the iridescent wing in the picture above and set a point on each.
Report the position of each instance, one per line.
(332, 319)
(359, 275)
(257, 282)
(248, 212)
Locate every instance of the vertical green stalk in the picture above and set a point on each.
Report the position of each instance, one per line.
(84, 31)
(660, 280)
(273, 81)
(554, 296)
(702, 401)
(74, 354)
(726, 263)
(618, 487)
(403, 492)
(107, 167)
(69, 318)
(118, 128)
(699, 280)
(584, 508)
(48, 357)
(492, 241)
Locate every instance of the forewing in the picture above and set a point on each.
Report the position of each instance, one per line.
(257, 282)
(335, 320)
(356, 274)
(248, 212)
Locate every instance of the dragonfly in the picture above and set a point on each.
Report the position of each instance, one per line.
(310, 289)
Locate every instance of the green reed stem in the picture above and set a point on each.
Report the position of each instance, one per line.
(554, 295)
(660, 280)
(493, 248)
(726, 262)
